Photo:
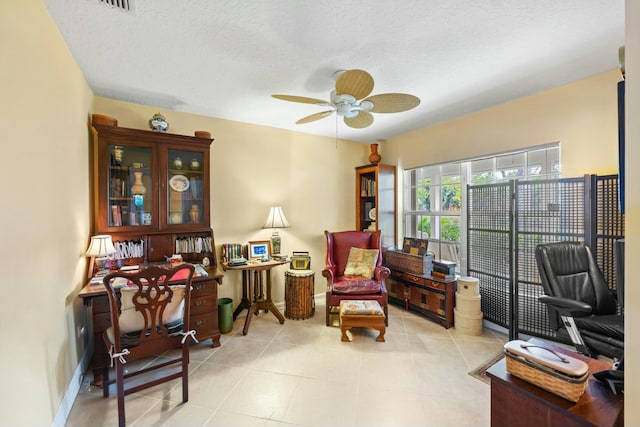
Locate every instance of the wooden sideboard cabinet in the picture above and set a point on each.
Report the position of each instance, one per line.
(203, 315)
(430, 297)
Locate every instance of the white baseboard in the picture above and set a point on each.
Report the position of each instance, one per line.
(72, 391)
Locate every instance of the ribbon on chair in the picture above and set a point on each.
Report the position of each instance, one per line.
(191, 333)
(119, 356)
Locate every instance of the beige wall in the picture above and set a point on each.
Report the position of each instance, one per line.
(45, 216)
(582, 116)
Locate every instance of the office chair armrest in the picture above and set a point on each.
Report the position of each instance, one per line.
(566, 306)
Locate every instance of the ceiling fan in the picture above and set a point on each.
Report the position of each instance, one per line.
(350, 99)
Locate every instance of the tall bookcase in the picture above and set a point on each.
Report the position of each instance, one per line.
(376, 200)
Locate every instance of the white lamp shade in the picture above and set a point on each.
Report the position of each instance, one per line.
(100, 246)
(276, 218)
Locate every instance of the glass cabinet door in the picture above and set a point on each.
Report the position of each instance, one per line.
(185, 192)
(130, 195)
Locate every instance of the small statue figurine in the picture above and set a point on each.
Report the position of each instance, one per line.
(158, 123)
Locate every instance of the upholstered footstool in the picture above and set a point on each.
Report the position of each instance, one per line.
(361, 313)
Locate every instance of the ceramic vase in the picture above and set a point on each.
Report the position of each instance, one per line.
(194, 214)
(158, 123)
(374, 157)
(138, 187)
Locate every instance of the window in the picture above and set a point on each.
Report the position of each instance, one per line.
(434, 200)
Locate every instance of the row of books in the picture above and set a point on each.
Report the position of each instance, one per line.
(194, 244)
(129, 249)
(367, 187)
(231, 251)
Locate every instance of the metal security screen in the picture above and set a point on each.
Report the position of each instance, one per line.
(507, 221)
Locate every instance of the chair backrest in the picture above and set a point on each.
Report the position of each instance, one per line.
(340, 243)
(149, 306)
(568, 270)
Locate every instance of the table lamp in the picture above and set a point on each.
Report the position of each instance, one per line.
(100, 248)
(275, 220)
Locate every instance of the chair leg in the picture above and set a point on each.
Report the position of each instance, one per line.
(105, 381)
(120, 393)
(386, 315)
(328, 316)
(185, 372)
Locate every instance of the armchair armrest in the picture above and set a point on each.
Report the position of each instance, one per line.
(330, 273)
(381, 272)
(566, 306)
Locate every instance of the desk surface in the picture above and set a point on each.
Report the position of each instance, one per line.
(90, 290)
(255, 265)
(597, 406)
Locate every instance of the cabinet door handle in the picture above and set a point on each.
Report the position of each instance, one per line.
(200, 303)
(200, 323)
(201, 286)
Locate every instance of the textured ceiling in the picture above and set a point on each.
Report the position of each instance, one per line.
(225, 58)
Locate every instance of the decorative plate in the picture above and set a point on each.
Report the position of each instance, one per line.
(372, 214)
(179, 183)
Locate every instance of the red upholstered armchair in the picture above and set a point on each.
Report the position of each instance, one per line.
(341, 287)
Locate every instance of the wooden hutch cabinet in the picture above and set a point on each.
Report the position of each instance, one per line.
(376, 200)
(151, 194)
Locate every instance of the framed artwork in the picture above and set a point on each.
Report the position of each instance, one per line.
(259, 249)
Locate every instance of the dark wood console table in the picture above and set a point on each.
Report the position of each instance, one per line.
(515, 402)
(254, 297)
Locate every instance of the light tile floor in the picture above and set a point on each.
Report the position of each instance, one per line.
(301, 374)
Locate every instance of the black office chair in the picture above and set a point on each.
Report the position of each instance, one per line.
(581, 306)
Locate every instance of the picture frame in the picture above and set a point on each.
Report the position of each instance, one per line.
(259, 249)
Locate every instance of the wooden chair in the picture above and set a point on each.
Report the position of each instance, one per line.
(343, 287)
(149, 316)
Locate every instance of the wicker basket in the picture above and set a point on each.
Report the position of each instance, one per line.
(570, 388)
(409, 263)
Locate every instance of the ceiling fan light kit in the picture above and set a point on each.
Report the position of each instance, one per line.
(349, 100)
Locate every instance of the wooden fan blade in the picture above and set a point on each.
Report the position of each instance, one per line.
(358, 83)
(314, 117)
(392, 102)
(302, 99)
(362, 120)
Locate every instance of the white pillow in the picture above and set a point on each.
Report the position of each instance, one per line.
(131, 320)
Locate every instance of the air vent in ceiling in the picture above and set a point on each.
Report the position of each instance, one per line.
(126, 5)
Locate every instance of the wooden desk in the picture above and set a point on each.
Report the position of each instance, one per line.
(515, 402)
(203, 315)
(253, 277)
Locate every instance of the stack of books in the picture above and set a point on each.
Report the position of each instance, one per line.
(443, 269)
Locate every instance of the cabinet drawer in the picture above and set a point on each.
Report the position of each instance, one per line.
(101, 321)
(204, 288)
(204, 324)
(100, 304)
(428, 300)
(204, 305)
(396, 289)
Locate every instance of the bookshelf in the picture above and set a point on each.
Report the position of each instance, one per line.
(376, 201)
